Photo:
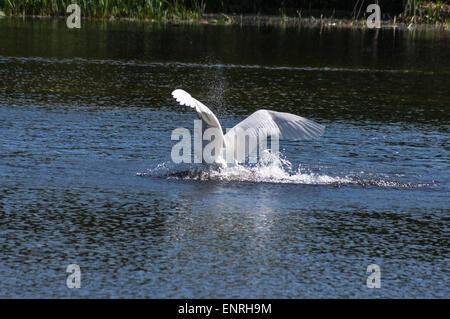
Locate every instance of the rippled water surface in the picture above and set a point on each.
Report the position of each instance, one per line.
(86, 176)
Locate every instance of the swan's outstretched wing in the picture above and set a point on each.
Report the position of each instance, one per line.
(284, 125)
(209, 122)
(265, 123)
(204, 113)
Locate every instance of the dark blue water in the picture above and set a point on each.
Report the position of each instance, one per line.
(86, 175)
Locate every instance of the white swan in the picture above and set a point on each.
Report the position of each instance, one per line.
(261, 123)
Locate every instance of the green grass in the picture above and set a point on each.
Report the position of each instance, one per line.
(418, 11)
(138, 9)
(413, 11)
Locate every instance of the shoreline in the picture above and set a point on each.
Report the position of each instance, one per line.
(322, 22)
(252, 20)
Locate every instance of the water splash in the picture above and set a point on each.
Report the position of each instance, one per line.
(271, 168)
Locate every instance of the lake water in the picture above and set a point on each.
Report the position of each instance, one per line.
(86, 175)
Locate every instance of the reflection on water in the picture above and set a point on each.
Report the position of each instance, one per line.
(86, 177)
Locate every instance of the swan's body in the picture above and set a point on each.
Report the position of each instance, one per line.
(261, 123)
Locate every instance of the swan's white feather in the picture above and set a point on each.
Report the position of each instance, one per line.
(264, 123)
(261, 123)
(209, 120)
(284, 125)
(204, 113)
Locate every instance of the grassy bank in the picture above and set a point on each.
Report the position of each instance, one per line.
(105, 9)
(248, 12)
